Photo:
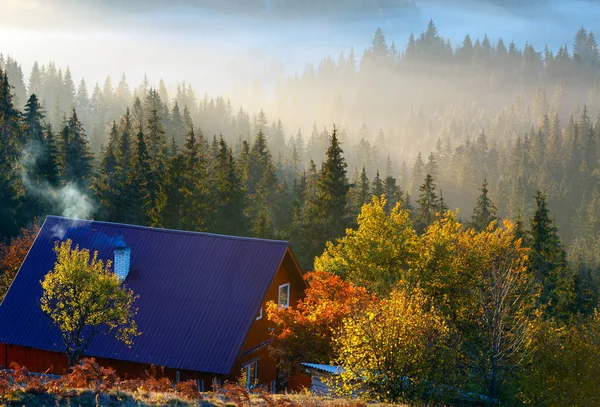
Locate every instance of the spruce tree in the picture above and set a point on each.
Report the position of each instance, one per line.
(173, 210)
(106, 186)
(364, 191)
(393, 193)
(139, 191)
(76, 157)
(548, 263)
(326, 216)
(156, 140)
(485, 211)
(377, 188)
(196, 212)
(230, 199)
(428, 204)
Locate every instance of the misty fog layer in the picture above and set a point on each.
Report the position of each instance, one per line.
(443, 101)
(212, 49)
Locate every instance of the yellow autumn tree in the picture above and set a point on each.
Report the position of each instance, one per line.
(84, 298)
(480, 282)
(441, 267)
(565, 363)
(398, 351)
(377, 253)
(505, 295)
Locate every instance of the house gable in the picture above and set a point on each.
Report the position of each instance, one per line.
(256, 345)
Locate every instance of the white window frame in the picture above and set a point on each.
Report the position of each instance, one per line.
(287, 297)
(259, 314)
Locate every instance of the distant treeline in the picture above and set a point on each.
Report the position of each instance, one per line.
(544, 138)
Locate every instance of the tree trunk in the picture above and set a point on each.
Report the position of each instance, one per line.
(494, 381)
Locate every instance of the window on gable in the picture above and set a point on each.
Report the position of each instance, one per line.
(284, 295)
(249, 377)
(259, 316)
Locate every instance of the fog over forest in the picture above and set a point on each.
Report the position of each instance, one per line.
(400, 79)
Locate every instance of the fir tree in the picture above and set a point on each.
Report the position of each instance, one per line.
(106, 186)
(139, 189)
(195, 189)
(548, 263)
(363, 191)
(428, 204)
(326, 217)
(377, 189)
(173, 210)
(485, 211)
(76, 157)
(230, 198)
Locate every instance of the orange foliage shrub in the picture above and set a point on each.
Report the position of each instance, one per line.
(90, 375)
(235, 393)
(13, 254)
(267, 397)
(188, 389)
(304, 332)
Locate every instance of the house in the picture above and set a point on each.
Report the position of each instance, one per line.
(201, 302)
(321, 376)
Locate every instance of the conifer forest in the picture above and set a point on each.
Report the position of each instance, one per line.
(415, 137)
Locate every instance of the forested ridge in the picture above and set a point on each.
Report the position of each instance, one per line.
(496, 131)
(545, 138)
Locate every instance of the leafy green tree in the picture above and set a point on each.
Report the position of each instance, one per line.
(376, 254)
(84, 298)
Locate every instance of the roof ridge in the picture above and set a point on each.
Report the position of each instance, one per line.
(172, 231)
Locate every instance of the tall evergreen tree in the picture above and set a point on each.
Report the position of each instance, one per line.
(139, 189)
(196, 213)
(76, 156)
(38, 172)
(173, 210)
(364, 187)
(428, 204)
(326, 217)
(106, 185)
(549, 264)
(377, 188)
(230, 199)
(485, 211)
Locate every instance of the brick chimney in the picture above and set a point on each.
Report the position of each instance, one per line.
(122, 262)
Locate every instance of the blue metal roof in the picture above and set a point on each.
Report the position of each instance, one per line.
(325, 368)
(198, 293)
